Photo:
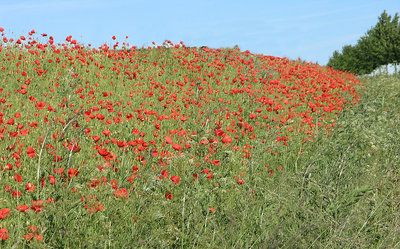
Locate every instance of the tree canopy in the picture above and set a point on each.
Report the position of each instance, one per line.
(379, 46)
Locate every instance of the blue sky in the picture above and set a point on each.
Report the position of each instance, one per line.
(311, 30)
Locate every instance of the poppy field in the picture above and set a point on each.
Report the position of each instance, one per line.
(164, 146)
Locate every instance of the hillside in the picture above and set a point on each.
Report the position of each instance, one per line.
(173, 146)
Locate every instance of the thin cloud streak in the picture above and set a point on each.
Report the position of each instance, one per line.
(45, 6)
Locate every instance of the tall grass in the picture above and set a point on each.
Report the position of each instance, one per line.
(331, 182)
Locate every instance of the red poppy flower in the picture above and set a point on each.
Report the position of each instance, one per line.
(25, 132)
(177, 146)
(240, 181)
(175, 179)
(17, 177)
(10, 121)
(168, 140)
(164, 173)
(121, 193)
(59, 171)
(106, 133)
(40, 105)
(16, 156)
(57, 159)
(29, 236)
(99, 116)
(16, 193)
(50, 200)
(52, 179)
(31, 152)
(37, 206)
(8, 188)
(103, 152)
(121, 144)
(1, 29)
(204, 141)
(219, 132)
(226, 139)
(22, 208)
(212, 209)
(30, 187)
(4, 233)
(72, 172)
(96, 138)
(4, 213)
(73, 145)
(169, 196)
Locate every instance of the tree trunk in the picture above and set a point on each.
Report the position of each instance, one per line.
(395, 68)
(387, 69)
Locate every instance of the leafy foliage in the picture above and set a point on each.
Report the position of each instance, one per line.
(379, 46)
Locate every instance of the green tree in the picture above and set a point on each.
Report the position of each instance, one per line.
(379, 46)
(395, 40)
(367, 61)
(334, 61)
(379, 36)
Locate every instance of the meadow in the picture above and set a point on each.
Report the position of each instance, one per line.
(180, 147)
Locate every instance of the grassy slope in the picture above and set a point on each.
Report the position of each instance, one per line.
(341, 192)
(344, 194)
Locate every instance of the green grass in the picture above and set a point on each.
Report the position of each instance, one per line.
(340, 190)
(345, 193)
